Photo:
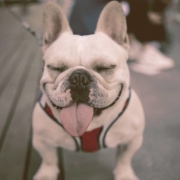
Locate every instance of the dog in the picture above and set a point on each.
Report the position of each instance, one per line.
(87, 103)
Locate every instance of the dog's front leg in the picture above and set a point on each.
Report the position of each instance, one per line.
(123, 170)
(49, 166)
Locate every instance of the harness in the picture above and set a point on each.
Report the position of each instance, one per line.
(90, 141)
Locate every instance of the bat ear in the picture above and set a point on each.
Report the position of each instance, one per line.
(112, 22)
(55, 23)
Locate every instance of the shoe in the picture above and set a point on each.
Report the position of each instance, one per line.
(144, 68)
(152, 57)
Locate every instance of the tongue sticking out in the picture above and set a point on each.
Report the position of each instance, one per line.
(76, 118)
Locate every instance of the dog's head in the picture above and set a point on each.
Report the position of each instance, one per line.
(84, 75)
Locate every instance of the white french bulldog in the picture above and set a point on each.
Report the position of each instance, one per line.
(87, 103)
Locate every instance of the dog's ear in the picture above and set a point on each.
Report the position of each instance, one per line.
(112, 22)
(55, 23)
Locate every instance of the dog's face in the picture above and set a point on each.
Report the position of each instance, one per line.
(84, 75)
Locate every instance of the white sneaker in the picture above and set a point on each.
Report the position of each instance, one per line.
(154, 58)
(145, 69)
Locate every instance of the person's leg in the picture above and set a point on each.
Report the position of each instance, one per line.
(84, 16)
(139, 24)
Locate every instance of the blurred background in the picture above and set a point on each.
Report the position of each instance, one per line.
(154, 61)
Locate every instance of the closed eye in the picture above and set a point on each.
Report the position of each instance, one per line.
(100, 68)
(59, 69)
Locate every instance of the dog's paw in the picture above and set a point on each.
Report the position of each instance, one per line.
(126, 178)
(46, 173)
(45, 176)
(125, 174)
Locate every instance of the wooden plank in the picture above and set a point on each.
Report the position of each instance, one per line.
(62, 175)
(34, 163)
(6, 53)
(30, 165)
(9, 94)
(6, 72)
(9, 51)
(13, 153)
(10, 31)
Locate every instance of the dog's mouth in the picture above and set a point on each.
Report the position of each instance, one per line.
(96, 111)
(77, 116)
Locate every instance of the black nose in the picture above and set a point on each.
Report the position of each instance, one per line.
(79, 80)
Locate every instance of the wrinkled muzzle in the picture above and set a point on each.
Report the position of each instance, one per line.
(78, 115)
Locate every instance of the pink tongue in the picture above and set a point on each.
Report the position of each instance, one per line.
(76, 118)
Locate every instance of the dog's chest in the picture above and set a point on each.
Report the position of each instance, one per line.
(90, 141)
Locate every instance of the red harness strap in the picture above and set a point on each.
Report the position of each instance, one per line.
(90, 140)
(48, 111)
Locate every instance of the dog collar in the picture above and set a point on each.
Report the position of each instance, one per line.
(90, 141)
